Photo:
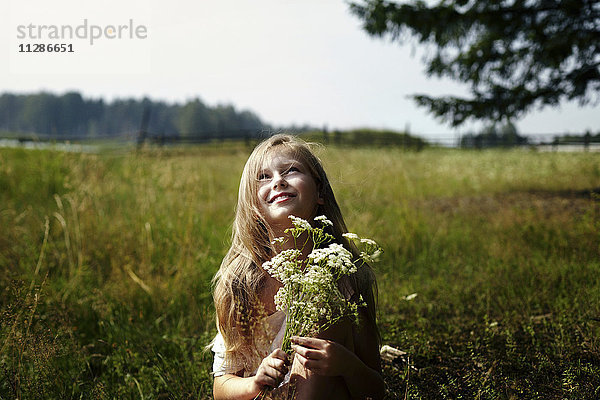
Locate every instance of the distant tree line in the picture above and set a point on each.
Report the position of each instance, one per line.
(494, 135)
(585, 139)
(366, 137)
(71, 115)
(506, 135)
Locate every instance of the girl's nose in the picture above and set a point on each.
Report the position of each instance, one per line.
(279, 181)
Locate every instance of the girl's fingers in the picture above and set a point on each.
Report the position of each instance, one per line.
(279, 354)
(308, 353)
(321, 356)
(272, 369)
(278, 365)
(312, 365)
(309, 342)
(270, 376)
(265, 376)
(309, 358)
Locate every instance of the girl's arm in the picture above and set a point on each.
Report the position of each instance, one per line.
(270, 373)
(356, 359)
(231, 386)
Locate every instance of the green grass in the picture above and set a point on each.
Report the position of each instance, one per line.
(106, 261)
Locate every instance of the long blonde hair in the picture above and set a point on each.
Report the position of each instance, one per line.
(241, 278)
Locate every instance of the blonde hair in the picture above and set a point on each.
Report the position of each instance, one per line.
(241, 278)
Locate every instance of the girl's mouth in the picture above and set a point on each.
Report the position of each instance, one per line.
(281, 197)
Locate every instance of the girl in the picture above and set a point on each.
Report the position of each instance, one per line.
(282, 177)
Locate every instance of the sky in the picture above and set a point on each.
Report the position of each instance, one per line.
(288, 61)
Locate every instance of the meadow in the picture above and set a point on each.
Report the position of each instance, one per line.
(106, 263)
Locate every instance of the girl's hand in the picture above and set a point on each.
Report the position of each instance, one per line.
(272, 370)
(323, 357)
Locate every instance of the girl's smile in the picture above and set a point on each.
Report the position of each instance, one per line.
(281, 197)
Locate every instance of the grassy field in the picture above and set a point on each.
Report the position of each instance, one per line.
(106, 261)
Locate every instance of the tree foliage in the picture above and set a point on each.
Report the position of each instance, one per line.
(514, 54)
(70, 115)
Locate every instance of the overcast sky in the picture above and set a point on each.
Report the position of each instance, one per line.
(304, 61)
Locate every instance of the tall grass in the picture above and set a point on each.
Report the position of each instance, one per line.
(106, 261)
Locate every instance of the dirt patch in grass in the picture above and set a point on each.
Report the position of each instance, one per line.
(577, 202)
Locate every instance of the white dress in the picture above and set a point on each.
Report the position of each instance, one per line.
(276, 324)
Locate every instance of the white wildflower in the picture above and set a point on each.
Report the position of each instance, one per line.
(280, 298)
(410, 297)
(310, 295)
(376, 254)
(370, 257)
(351, 236)
(279, 240)
(323, 219)
(368, 242)
(300, 223)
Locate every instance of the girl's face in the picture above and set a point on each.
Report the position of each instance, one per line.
(286, 187)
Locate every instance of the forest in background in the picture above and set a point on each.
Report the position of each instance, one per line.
(71, 115)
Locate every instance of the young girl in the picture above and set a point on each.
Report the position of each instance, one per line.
(282, 177)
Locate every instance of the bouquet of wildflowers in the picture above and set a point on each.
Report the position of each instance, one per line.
(310, 295)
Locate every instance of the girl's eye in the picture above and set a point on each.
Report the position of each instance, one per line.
(263, 176)
(293, 169)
